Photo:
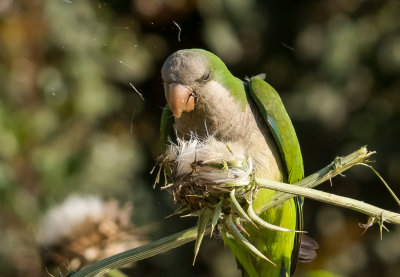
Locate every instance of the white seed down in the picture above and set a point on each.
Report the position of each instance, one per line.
(207, 152)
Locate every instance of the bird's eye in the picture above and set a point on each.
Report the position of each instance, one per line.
(206, 76)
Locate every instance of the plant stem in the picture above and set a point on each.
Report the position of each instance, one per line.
(140, 253)
(333, 199)
(339, 165)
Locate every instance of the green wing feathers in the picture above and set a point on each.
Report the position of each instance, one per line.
(166, 127)
(271, 107)
(274, 113)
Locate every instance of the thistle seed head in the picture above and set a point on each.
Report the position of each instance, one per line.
(214, 180)
(201, 172)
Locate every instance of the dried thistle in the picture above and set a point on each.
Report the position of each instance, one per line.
(214, 181)
(84, 229)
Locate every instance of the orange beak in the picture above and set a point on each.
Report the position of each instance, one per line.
(180, 99)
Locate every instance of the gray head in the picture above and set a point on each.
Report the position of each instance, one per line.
(185, 73)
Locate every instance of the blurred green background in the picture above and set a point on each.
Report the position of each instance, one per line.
(71, 123)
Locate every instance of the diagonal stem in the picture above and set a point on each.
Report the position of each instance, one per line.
(339, 165)
(333, 199)
(140, 253)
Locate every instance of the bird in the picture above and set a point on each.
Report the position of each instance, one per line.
(204, 97)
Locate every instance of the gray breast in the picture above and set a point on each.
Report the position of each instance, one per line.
(228, 122)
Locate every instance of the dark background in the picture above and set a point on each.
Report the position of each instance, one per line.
(70, 122)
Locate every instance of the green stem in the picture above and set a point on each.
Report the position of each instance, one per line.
(383, 181)
(333, 199)
(139, 253)
(339, 165)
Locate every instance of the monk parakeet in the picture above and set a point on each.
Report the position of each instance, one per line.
(205, 98)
